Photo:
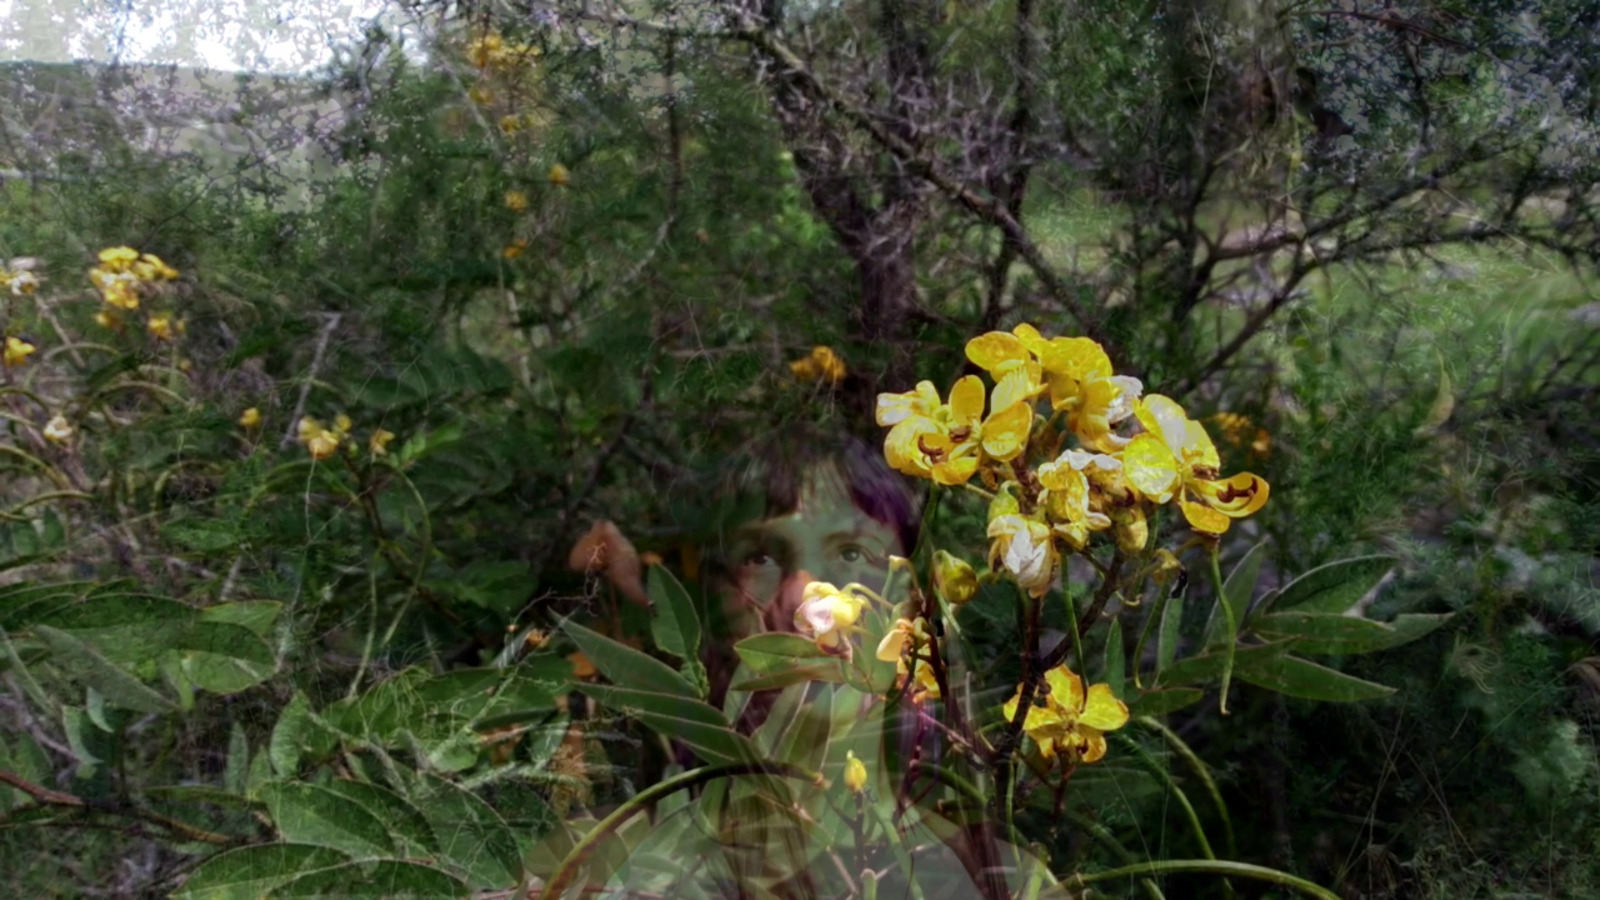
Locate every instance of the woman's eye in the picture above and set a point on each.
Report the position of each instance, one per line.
(758, 558)
(854, 554)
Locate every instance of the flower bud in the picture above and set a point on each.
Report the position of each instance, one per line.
(954, 578)
(855, 773)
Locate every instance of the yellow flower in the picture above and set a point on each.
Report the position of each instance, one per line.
(933, 440)
(485, 50)
(480, 94)
(510, 123)
(250, 418)
(17, 351)
(118, 259)
(149, 267)
(21, 283)
(307, 428)
(1078, 373)
(855, 773)
(1022, 546)
(515, 249)
(105, 319)
(1066, 501)
(120, 289)
(342, 425)
(58, 429)
(379, 443)
(1016, 373)
(823, 363)
(516, 201)
(160, 327)
(323, 444)
(954, 578)
(906, 637)
(1068, 721)
(828, 615)
(559, 176)
(1175, 458)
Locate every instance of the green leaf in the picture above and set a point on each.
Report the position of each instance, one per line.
(406, 824)
(1207, 666)
(249, 873)
(289, 735)
(1329, 633)
(474, 840)
(131, 629)
(1238, 588)
(224, 658)
(308, 814)
(499, 586)
(673, 622)
(1116, 674)
(626, 666)
(775, 651)
(236, 772)
(692, 721)
(202, 535)
(1303, 678)
(1167, 634)
(1159, 702)
(1335, 587)
(830, 671)
(85, 664)
(388, 879)
(256, 615)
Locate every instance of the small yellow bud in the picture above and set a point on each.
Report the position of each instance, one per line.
(515, 249)
(954, 578)
(380, 442)
(307, 429)
(250, 418)
(105, 319)
(516, 201)
(323, 445)
(855, 773)
(160, 327)
(559, 176)
(342, 425)
(1004, 502)
(17, 351)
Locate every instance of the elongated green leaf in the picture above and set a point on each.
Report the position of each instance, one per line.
(289, 735)
(86, 664)
(1208, 666)
(830, 671)
(224, 658)
(1160, 702)
(777, 650)
(476, 842)
(308, 814)
(694, 722)
(1330, 633)
(626, 666)
(410, 829)
(237, 769)
(1167, 635)
(1335, 587)
(389, 879)
(128, 629)
(1238, 589)
(249, 873)
(673, 622)
(1116, 674)
(1304, 678)
(256, 615)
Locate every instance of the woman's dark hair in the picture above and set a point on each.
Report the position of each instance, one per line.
(768, 478)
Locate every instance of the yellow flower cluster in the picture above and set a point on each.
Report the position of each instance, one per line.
(493, 51)
(1068, 722)
(323, 442)
(1132, 451)
(124, 273)
(822, 364)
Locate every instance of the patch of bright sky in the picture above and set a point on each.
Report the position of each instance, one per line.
(283, 36)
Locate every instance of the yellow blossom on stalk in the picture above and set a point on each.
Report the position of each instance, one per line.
(1078, 373)
(118, 259)
(1068, 721)
(21, 283)
(105, 319)
(1022, 546)
(559, 176)
(17, 351)
(828, 615)
(1015, 372)
(342, 424)
(118, 288)
(906, 637)
(58, 429)
(1175, 458)
(516, 201)
(855, 773)
(160, 327)
(323, 445)
(822, 364)
(1066, 502)
(941, 441)
(510, 123)
(954, 578)
(379, 443)
(250, 418)
(515, 249)
(307, 428)
(149, 267)
(485, 50)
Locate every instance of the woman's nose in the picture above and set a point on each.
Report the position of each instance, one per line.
(780, 615)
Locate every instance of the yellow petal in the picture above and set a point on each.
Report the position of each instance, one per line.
(1031, 339)
(1019, 385)
(1005, 434)
(1151, 468)
(966, 401)
(1204, 519)
(1103, 710)
(1066, 688)
(922, 401)
(956, 471)
(995, 350)
(1237, 496)
(1094, 745)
